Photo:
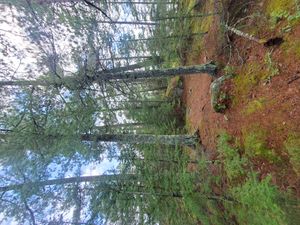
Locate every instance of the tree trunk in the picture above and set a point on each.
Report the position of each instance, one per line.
(167, 37)
(187, 140)
(184, 16)
(141, 2)
(70, 180)
(108, 2)
(80, 81)
(205, 68)
(131, 67)
(148, 57)
(119, 126)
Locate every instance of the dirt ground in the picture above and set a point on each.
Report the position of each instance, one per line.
(279, 117)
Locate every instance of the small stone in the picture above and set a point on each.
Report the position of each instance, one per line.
(226, 118)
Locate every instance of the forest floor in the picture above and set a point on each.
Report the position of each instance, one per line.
(263, 108)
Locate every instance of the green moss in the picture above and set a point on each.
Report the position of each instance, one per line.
(292, 145)
(198, 25)
(255, 144)
(278, 9)
(249, 77)
(254, 106)
(292, 47)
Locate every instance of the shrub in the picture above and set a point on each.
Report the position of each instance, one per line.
(233, 162)
(256, 203)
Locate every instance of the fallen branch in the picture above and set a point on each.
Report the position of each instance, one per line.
(294, 78)
(244, 35)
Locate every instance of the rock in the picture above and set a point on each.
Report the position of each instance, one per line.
(217, 95)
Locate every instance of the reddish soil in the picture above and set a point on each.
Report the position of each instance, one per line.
(279, 120)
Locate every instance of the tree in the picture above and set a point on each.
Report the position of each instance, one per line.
(74, 82)
(188, 140)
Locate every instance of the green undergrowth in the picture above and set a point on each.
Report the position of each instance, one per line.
(292, 46)
(286, 13)
(245, 200)
(254, 106)
(256, 203)
(292, 145)
(204, 210)
(251, 75)
(279, 9)
(197, 25)
(200, 201)
(251, 201)
(255, 144)
(233, 162)
(247, 79)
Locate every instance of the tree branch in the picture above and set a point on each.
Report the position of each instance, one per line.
(30, 212)
(96, 7)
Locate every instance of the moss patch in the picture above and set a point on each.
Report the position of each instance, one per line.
(254, 106)
(292, 145)
(278, 9)
(292, 47)
(249, 77)
(255, 144)
(198, 25)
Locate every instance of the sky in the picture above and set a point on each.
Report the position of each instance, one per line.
(24, 59)
(13, 33)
